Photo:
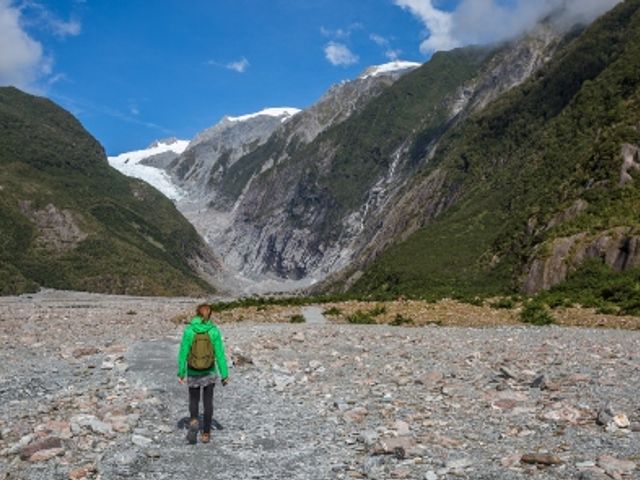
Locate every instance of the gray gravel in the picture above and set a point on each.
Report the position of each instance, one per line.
(315, 401)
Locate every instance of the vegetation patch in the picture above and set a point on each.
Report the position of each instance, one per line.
(535, 313)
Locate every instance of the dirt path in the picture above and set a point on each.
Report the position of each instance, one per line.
(263, 433)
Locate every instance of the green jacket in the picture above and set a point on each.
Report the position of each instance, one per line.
(198, 326)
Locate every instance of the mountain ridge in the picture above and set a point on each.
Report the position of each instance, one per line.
(70, 221)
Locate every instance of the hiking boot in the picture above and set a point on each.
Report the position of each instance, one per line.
(192, 434)
(205, 437)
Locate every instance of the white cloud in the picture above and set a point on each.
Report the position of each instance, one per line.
(393, 53)
(341, 33)
(437, 22)
(43, 18)
(385, 43)
(63, 29)
(58, 77)
(21, 57)
(239, 66)
(339, 54)
(485, 21)
(379, 40)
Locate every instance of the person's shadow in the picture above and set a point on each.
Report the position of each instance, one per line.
(183, 423)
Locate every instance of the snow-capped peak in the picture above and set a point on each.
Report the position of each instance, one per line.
(284, 112)
(170, 141)
(129, 164)
(387, 68)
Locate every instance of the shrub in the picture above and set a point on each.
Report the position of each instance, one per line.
(297, 318)
(361, 318)
(400, 320)
(333, 311)
(506, 303)
(378, 310)
(535, 313)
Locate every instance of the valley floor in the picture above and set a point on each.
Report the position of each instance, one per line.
(88, 389)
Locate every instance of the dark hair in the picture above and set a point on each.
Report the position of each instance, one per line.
(204, 310)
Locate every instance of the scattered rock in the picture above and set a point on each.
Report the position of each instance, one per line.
(47, 443)
(541, 459)
(616, 467)
(458, 463)
(85, 351)
(82, 472)
(141, 441)
(48, 454)
(400, 447)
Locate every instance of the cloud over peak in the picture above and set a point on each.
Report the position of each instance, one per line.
(487, 21)
(339, 54)
(21, 57)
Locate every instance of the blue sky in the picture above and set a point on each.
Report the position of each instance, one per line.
(133, 71)
(140, 70)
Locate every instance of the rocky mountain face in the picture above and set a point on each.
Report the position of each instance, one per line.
(220, 164)
(314, 197)
(70, 221)
(202, 167)
(524, 193)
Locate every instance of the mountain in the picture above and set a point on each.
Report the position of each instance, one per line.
(70, 221)
(538, 188)
(219, 174)
(312, 199)
(202, 167)
(150, 163)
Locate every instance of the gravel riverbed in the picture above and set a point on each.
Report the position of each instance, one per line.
(88, 390)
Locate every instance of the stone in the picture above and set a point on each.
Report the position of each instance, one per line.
(398, 446)
(593, 474)
(541, 459)
(511, 460)
(508, 373)
(85, 351)
(45, 455)
(107, 365)
(241, 360)
(298, 337)
(458, 463)
(401, 427)
(46, 443)
(539, 382)
(564, 413)
(56, 428)
(430, 378)
(368, 437)
(355, 414)
(141, 441)
(430, 475)
(100, 427)
(614, 466)
(82, 472)
(315, 364)
(23, 442)
(621, 421)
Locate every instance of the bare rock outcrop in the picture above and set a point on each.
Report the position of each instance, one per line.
(618, 248)
(58, 230)
(630, 162)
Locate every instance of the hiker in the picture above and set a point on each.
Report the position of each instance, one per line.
(201, 354)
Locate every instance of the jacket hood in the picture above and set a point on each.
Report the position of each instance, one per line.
(199, 326)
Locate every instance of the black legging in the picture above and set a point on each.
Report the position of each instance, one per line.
(207, 400)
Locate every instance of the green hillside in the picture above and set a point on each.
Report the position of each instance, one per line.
(520, 162)
(70, 221)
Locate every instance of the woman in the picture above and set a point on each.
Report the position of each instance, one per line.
(201, 353)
